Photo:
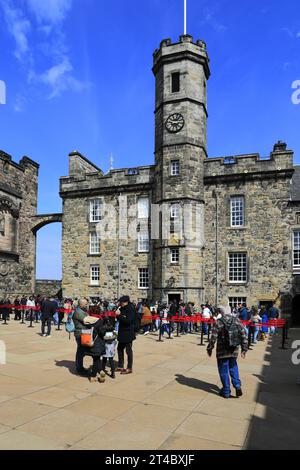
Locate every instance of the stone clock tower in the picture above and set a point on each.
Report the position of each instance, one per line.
(181, 71)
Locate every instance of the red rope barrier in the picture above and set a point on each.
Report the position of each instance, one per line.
(197, 318)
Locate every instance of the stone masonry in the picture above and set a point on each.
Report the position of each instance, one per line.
(19, 223)
(270, 187)
(110, 255)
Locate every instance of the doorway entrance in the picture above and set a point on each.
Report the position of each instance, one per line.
(174, 298)
(265, 304)
(296, 311)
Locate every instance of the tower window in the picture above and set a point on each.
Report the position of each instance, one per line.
(94, 243)
(144, 278)
(237, 267)
(143, 241)
(296, 249)
(174, 255)
(237, 211)
(175, 82)
(95, 275)
(175, 168)
(95, 210)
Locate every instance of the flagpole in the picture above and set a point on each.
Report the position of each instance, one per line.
(185, 17)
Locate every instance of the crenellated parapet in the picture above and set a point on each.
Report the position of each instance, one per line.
(279, 162)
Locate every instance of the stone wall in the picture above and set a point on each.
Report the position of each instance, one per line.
(18, 204)
(48, 288)
(266, 236)
(119, 259)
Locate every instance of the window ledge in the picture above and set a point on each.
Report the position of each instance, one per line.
(244, 227)
(94, 285)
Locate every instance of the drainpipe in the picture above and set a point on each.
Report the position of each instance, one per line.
(215, 195)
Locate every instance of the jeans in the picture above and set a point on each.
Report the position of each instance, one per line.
(165, 328)
(79, 355)
(46, 321)
(228, 368)
(121, 348)
(205, 328)
(255, 334)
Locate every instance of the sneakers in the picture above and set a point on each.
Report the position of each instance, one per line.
(48, 336)
(222, 395)
(239, 392)
(146, 333)
(44, 336)
(101, 377)
(126, 372)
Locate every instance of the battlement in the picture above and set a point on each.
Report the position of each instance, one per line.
(186, 47)
(124, 179)
(279, 160)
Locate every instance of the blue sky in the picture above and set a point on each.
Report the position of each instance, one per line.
(78, 76)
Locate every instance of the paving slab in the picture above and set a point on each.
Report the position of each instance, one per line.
(170, 401)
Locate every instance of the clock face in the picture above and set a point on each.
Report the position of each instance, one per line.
(175, 123)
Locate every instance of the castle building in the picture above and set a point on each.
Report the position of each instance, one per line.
(191, 227)
(244, 210)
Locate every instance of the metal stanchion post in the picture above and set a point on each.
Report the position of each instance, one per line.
(283, 337)
(31, 319)
(202, 334)
(160, 328)
(177, 334)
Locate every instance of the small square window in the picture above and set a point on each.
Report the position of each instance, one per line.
(95, 275)
(175, 82)
(175, 168)
(144, 278)
(174, 255)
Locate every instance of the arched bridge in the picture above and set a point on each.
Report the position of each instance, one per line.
(39, 221)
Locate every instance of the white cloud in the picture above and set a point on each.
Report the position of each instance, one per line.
(50, 11)
(42, 18)
(18, 26)
(59, 78)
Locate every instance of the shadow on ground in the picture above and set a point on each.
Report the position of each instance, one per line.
(198, 384)
(276, 422)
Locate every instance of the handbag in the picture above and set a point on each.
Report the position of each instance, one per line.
(87, 338)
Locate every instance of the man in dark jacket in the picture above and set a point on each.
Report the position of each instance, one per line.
(126, 317)
(226, 331)
(48, 309)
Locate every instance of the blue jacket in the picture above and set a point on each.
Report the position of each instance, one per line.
(244, 315)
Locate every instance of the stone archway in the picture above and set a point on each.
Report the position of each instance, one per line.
(40, 221)
(48, 286)
(296, 310)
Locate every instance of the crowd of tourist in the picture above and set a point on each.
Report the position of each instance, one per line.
(104, 328)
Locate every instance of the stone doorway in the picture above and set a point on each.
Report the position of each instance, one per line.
(296, 311)
(174, 298)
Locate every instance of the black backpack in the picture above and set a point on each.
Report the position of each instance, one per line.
(232, 333)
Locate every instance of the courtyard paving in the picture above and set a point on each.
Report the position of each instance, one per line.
(171, 401)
